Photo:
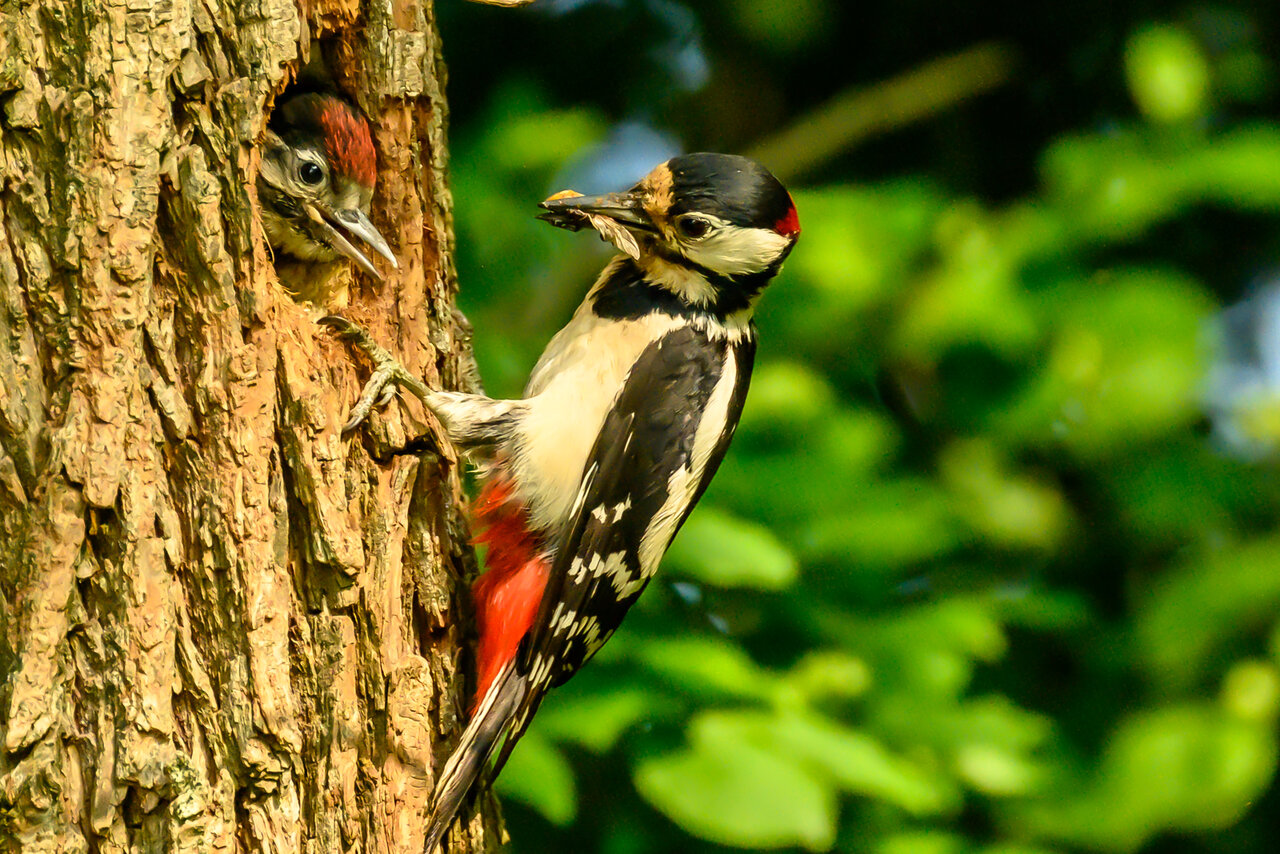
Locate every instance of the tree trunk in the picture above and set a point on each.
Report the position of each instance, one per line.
(224, 627)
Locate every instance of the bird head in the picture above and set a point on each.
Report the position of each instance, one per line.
(316, 182)
(706, 226)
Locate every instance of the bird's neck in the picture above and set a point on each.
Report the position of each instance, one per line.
(628, 289)
(689, 284)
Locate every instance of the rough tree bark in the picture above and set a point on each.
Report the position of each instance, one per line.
(224, 627)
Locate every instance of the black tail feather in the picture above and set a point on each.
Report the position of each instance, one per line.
(467, 761)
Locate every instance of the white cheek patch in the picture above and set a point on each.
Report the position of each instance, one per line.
(735, 251)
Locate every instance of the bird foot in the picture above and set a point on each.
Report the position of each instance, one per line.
(388, 374)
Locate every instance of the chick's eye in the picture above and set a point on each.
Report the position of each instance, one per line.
(310, 173)
(693, 227)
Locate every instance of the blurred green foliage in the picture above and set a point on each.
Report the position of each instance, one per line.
(973, 579)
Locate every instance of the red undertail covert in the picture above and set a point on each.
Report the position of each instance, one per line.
(507, 595)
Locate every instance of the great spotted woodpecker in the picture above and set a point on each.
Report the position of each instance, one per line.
(315, 186)
(624, 421)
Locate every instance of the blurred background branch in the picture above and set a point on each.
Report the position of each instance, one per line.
(862, 111)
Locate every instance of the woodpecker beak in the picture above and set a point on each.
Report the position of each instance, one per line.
(625, 209)
(355, 223)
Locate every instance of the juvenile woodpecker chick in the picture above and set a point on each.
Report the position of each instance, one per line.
(315, 187)
(624, 421)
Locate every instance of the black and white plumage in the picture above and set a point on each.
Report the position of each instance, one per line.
(661, 440)
(624, 421)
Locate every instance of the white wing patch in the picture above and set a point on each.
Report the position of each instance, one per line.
(540, 672)
(611, 515)
(612, 568)
(566, 620)
(593, 638)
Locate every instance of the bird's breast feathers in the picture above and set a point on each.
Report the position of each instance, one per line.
(573, 388)
(569, 394)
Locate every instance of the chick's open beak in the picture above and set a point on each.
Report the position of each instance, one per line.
(623, 208)
(357, 224)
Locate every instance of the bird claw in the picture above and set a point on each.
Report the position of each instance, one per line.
(387, 375)
(377, 393)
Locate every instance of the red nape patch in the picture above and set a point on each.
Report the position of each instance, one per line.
(789, 225)
(507, 595)
(347, 142)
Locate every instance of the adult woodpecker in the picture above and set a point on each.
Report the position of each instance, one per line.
(315, 186)
(624, 421)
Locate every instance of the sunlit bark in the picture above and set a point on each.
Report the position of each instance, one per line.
(224, 627)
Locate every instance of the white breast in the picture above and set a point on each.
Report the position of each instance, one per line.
(570, 392)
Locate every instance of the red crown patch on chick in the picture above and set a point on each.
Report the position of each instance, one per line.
(347, 141)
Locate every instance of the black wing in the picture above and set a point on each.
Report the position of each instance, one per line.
(646, 445)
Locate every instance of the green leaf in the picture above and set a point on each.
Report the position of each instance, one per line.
(538, 775)
(717, 548)
(1189, 768)
(921, 842)
(858, 243)
(741, 795)
(862, 765)
(1010, 510)
(997, 770)
(1168, 74)
(851, 759)
(787, 395)
(892, 525)
(1181, 768)
(1251, 691)
(1205, 603)
(704, 664)
(830, 673)
(596, 721)
(970, 297)
(1124, 367)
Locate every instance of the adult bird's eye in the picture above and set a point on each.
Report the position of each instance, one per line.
(310, 173)
(693, 227)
